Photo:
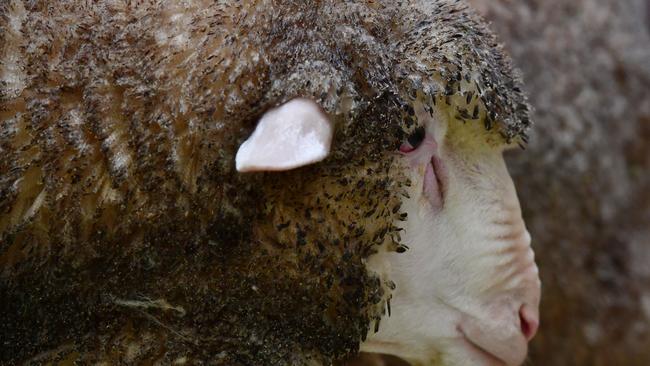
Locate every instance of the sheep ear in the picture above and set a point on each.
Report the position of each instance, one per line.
(295, 134)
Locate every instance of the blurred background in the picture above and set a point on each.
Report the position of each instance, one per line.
(584, 181)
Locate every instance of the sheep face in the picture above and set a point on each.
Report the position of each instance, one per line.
(468, 289)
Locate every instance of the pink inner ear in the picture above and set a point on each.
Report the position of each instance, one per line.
(296, 134)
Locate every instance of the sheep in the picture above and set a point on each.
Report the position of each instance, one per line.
(259, 183)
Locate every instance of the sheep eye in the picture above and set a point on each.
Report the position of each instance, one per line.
(416, 137)
(413, 141)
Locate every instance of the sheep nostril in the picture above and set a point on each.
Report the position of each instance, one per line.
(529, 321)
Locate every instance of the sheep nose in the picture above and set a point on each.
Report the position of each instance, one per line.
(503, 333)
(528, 321)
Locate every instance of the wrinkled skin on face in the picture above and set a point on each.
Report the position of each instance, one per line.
(467, 290)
